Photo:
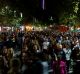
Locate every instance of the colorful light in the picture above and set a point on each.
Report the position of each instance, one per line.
(43, 4)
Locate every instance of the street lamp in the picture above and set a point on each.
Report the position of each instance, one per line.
(21, 15)
(51, 20)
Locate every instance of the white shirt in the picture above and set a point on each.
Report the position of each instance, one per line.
(45, 67)
(45, 45)
(67, 53)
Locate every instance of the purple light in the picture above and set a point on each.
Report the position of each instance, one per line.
(43, 4)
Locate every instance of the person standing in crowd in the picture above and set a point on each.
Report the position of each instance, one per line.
(37, 50)
(67, 51)
(59, 65)
(45, 45)
(1, 44)
(2, 69)
(76, 58)
(45, 64)
(10, 54)
(14, 66)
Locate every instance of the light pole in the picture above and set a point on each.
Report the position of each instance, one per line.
(43, 4)
(51, 20)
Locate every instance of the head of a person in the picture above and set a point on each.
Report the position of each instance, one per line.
(77, 50)
(25, 57)
(15, 64)
(59, 57)
(59, 46)
(10, 52)
(5, 50)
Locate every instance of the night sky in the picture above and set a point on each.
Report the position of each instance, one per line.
(31, 8)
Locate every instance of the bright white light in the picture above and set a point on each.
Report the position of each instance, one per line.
(22, 28)
(0, 29)
(50, 25)
(8, 28)
(72, 28)
(12, 29)
(21, 15)
(78, 28)
(6, 7)
(45, 27)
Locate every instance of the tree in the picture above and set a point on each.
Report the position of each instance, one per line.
(56, 8)
(70, 16)
(9, 17)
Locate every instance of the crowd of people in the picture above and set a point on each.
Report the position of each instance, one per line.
(44, 52)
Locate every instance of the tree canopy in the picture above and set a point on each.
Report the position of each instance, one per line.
(62, 11)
